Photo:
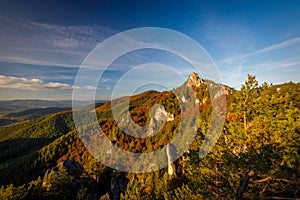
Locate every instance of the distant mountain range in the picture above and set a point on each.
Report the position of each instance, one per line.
(19, 110)
(10, 106)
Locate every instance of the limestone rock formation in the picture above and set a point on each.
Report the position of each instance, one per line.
(194, 80)
(73, 169)
(76, 176)
(171, 167)
(158, 118)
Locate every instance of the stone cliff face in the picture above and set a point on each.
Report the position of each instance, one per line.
(158, 118)
(112, 182)
(118, 185)
(171, 167)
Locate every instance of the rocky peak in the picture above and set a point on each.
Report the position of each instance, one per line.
(194, 80)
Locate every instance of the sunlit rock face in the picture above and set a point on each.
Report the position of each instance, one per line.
(170, 117)
(158, 118)
(171, 167)
(194, 80)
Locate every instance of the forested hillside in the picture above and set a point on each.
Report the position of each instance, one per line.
(256, 157)
(15, 117)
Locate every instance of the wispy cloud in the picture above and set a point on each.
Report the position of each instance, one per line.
(227, 37)
(281, 45)
(37, 61)
(35, 43)
(12, 82)
(283, 57)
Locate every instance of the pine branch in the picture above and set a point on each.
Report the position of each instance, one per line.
(277, 179)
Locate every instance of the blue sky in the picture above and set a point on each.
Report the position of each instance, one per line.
(43, 43)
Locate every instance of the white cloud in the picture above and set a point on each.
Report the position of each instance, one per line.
(12, 82)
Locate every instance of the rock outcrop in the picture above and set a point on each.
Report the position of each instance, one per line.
(194, 80)
(75, 175)
(118, 185)
(171, 167)
(158, 118)
(73, 169)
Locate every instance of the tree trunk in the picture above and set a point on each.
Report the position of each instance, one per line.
(243, 185)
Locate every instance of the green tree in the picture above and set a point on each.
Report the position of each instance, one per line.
(60, 183)
(12, 193)
(258, 153)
